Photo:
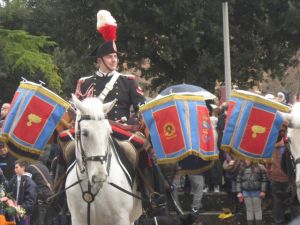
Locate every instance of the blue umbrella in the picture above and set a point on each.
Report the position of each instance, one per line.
(187, 89)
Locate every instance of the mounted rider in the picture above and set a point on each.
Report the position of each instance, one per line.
(109, 84)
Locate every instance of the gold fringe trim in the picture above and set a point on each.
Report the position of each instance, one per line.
(261, 100)
(186, 154)
(242, 156)
(25, 149)
(196, 171)
(20, 156)
(169, 98)
(47, 93)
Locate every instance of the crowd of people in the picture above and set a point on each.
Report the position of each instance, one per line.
(249, 183)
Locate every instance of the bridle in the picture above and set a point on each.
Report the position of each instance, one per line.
(98, 158)
(88, 195)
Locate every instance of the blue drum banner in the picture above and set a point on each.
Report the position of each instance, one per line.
(252, 125)
(180, 126)
(34, 114)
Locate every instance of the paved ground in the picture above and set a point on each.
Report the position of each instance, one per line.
(213, 203)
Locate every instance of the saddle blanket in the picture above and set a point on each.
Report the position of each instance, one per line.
(119, 133)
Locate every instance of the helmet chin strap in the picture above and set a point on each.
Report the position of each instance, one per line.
(107, 67)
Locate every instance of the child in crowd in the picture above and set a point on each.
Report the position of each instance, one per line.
(231, 167)
(251, 187)
(23, 190)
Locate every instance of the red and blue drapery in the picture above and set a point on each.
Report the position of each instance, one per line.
(179, 127)
(252, 125)
(34, 114)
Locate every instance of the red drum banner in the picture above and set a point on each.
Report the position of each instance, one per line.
(252, 125)
(34, 114)
(180, 126)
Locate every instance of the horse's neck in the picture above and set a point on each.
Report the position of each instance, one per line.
(294, 135)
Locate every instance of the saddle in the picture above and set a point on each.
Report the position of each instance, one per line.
(121, 132)
(127, 137)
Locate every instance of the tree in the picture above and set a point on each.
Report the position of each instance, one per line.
(24, 55)
(183, 40)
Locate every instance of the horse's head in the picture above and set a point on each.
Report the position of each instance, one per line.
(92, 137)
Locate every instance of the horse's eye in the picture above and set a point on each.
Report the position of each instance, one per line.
(85, 133)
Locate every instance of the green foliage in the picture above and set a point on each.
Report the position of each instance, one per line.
(25, 55)
(182, 39)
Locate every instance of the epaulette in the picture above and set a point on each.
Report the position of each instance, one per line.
(129, 76)
(85, 78)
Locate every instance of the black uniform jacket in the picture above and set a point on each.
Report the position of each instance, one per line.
(125, 90)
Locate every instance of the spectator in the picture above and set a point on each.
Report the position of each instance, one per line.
(251, 187)
(213, 178)
(7, 161)
(197, 185)
(231, 168)
(4, 110)
(193, 184)
(279, 181)
(23, 190)
(283, 97)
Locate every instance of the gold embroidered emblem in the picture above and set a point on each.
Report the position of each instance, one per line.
(33, 118)
(169, 131)
(256, 129)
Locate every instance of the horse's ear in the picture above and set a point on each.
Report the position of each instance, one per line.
(108, 106)
(77, 103)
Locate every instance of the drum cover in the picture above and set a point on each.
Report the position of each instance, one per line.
(34, 114)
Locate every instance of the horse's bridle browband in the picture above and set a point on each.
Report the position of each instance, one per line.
(99, 158)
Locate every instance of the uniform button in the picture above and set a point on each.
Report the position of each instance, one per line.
(115, 111)
(117, 93)
(115, 118)
(116, 104)
(94, 84)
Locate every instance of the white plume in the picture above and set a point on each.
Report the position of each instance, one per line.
(104, 17)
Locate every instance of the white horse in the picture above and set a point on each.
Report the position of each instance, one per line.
(294, 138)
(92, 200)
